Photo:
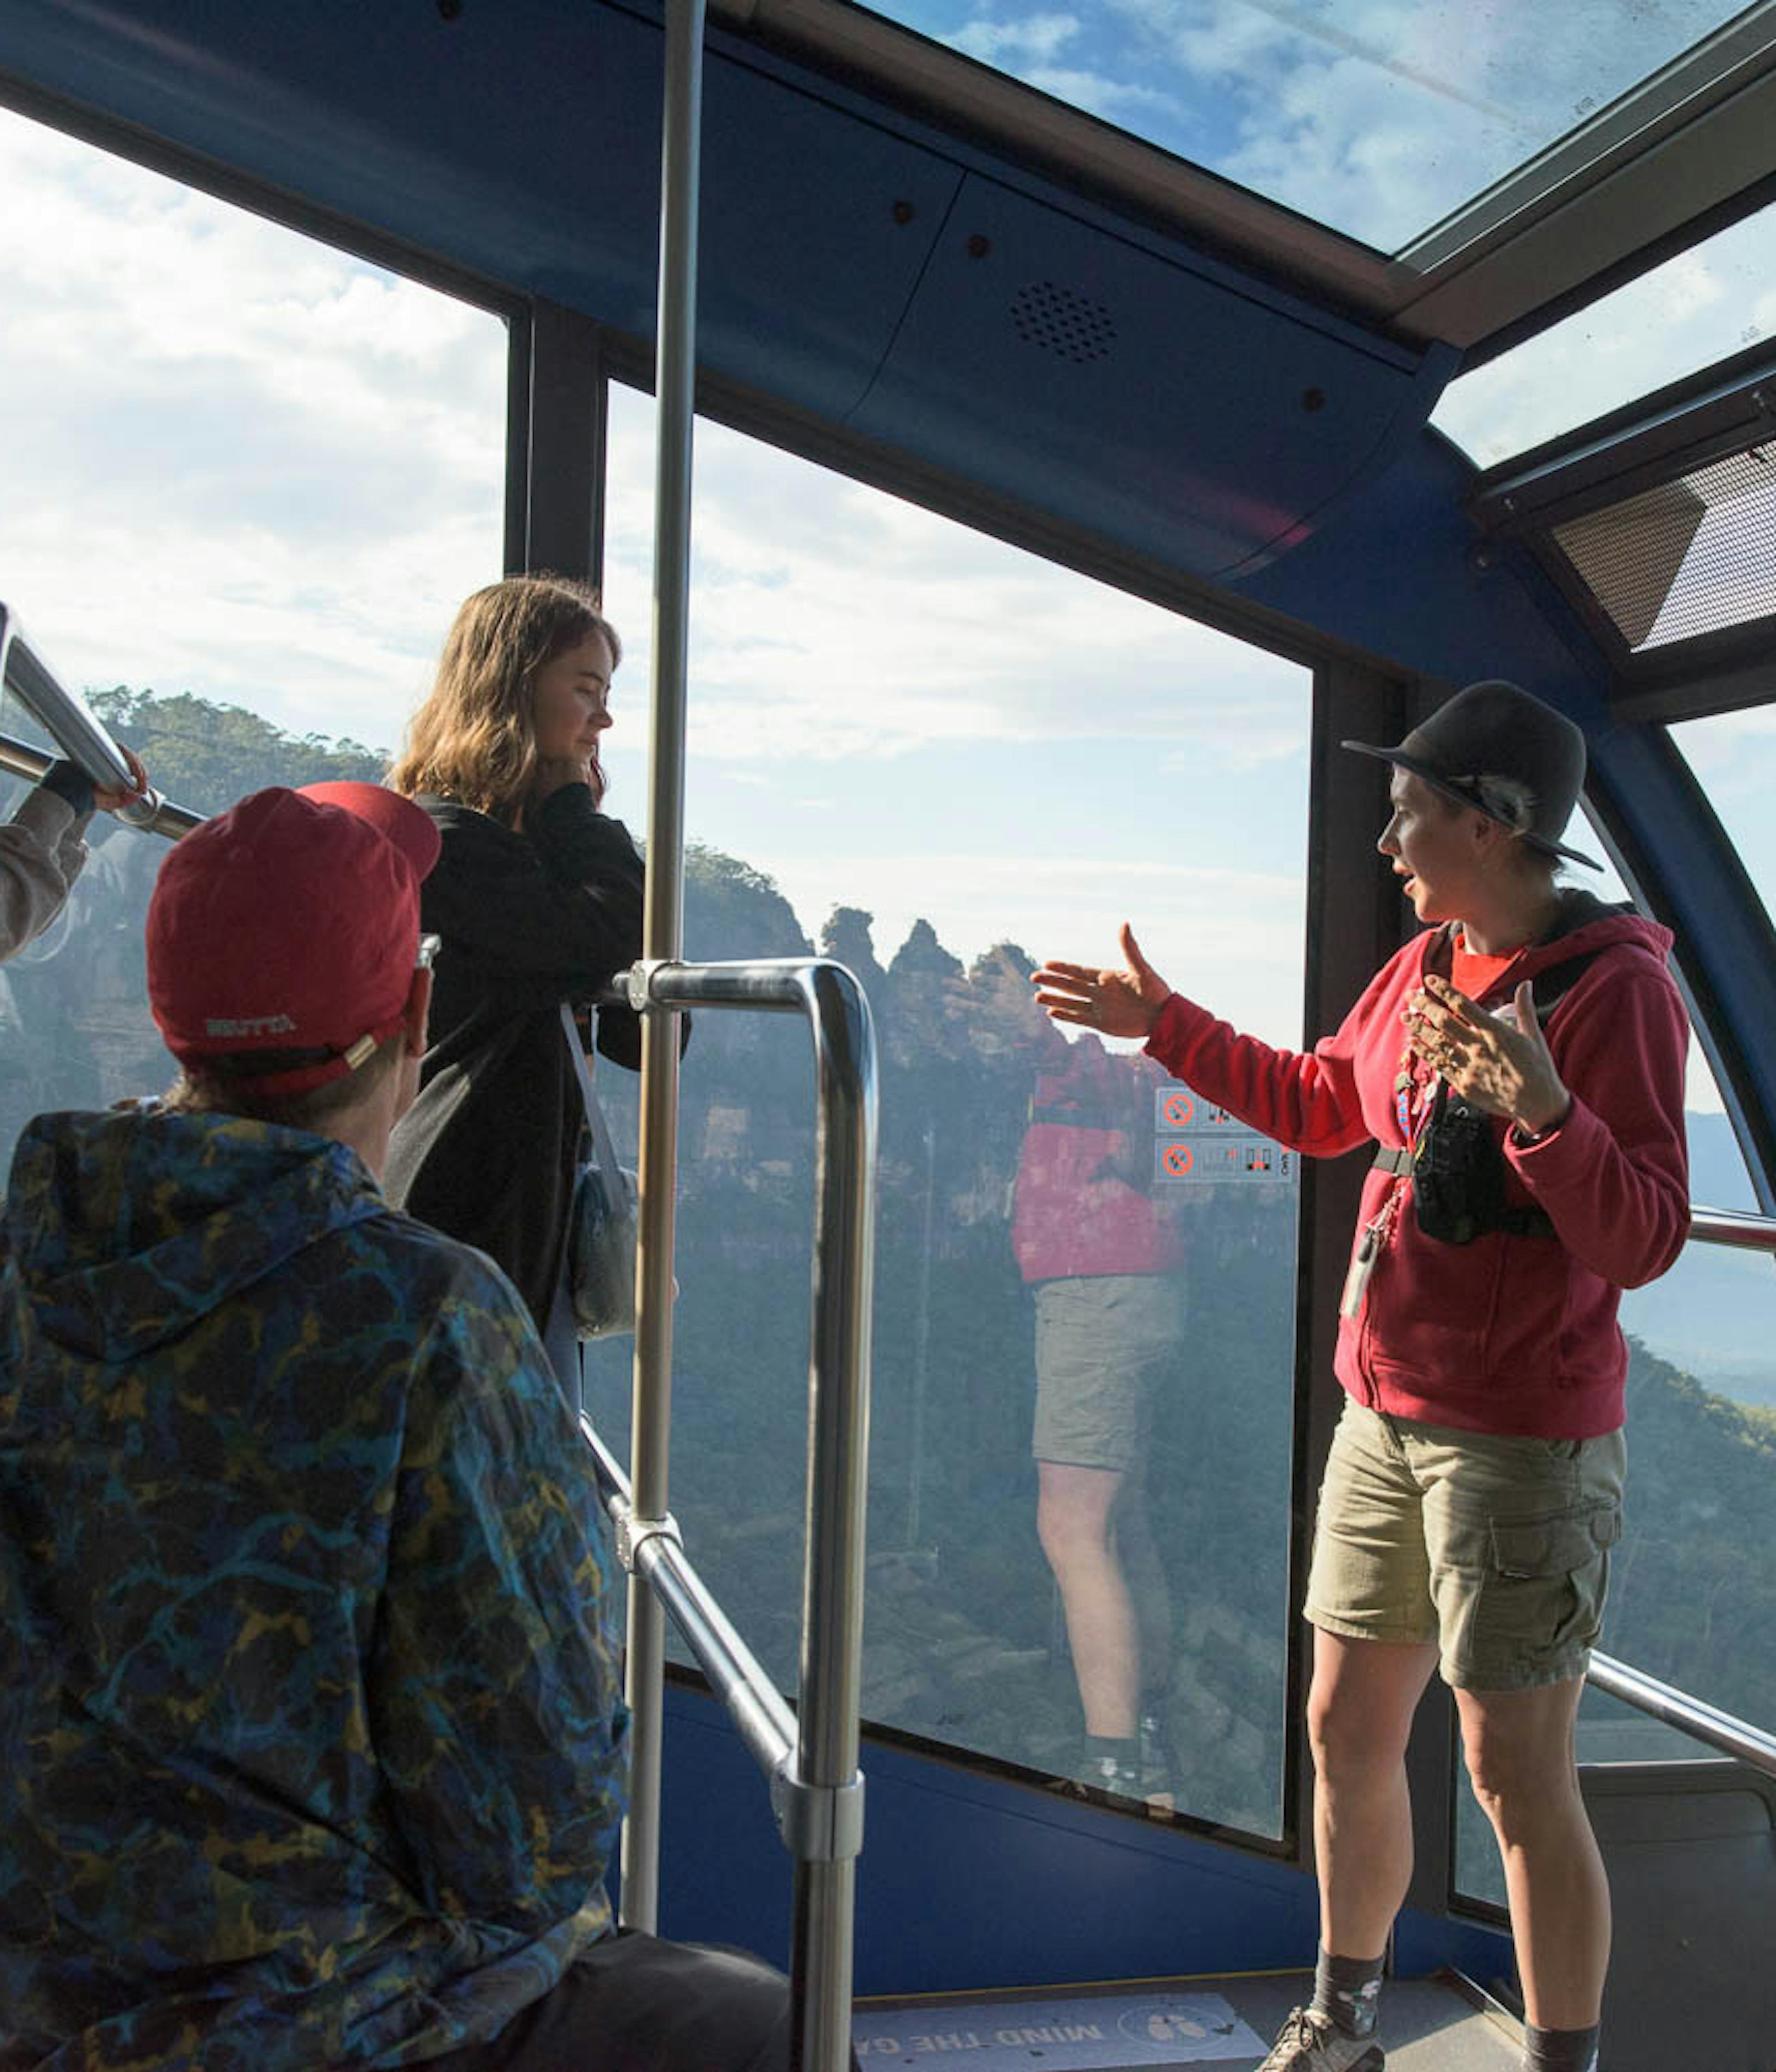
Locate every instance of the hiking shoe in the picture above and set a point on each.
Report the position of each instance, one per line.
(1310, 2043)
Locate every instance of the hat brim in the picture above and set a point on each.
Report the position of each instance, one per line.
(1406, 760)
(410, 827)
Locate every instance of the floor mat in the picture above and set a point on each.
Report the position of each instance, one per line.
(1106, 2032)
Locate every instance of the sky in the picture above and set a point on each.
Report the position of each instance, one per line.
(1376, 117)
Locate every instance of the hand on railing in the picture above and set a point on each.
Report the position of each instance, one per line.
(137, 803)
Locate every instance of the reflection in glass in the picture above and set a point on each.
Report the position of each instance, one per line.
(931, 757)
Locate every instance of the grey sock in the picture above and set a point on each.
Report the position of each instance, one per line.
(1345, 1990)
(1560, 2049)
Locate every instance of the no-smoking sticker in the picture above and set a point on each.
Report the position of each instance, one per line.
(1178, 1158)
(1177, 1109)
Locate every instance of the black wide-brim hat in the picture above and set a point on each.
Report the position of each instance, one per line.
(1495, 729)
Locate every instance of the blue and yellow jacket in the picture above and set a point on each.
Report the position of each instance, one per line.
(310, 1728)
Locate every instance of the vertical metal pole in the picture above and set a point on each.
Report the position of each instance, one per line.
(922, 1340)
(663, 927)
(820, 1929)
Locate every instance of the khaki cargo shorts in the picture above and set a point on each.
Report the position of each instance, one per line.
(1496, 1549)
(1102, 1343)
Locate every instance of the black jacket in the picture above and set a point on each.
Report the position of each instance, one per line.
(489, 1151)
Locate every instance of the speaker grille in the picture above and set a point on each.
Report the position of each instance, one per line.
(1054, 319)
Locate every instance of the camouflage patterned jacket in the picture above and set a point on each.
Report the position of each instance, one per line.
(310, 1732)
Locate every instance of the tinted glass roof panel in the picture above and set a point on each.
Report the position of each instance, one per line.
(1378, 121)
(1704, 305)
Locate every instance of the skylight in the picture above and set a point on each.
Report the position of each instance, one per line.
(1377, 122)
(1710, 302)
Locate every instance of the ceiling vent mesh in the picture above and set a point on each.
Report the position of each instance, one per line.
(1691, 556)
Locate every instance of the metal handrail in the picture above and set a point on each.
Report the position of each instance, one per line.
(1702, 1722)
(151, 815)
(1731, 1226)
(820, 1800)
(83, 736)
(756, 1707)
(1634, 1687)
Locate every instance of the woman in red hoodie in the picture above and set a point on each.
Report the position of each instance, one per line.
(1520, 1066)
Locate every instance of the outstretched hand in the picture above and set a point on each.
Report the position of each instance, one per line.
(1506, 1070)
(1116, 1003)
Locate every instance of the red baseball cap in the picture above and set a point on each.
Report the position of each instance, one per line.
(289, 923)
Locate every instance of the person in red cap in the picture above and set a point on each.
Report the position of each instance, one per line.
(1520, 1064)
(310, 1705)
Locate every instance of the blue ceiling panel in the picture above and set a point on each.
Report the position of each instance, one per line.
(1084, 374)
(815, 228)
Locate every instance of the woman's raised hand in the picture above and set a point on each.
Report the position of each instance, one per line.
(1116, 1003)
(1506, 1070)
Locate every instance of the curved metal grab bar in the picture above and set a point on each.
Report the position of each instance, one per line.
(84, 738)
(1731, 1226)
(758, 1708)
(152, 815)
(819, 1800)
(1736, 1737)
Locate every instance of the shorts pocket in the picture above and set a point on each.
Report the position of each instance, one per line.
(1540, 1599)
(1524, 1549)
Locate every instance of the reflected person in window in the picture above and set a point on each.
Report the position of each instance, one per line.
(41, 849)
(1104, 1264)
(1520, 1065)
(537, 899)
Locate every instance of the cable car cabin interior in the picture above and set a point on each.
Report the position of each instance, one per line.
(1100, 415)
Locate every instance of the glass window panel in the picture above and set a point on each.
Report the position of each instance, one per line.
(288, 464)
(931, 755)
(248, 479)
(1692, 1597)
(1376, 124)
(1705, 304)
(1733, 757)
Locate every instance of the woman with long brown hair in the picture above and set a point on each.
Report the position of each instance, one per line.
(537, 899)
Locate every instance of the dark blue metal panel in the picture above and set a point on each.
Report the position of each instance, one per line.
(1083, 374)
(1399, 574)
(969, 1881)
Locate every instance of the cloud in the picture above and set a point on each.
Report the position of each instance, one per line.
(288, 465)
(1029, 39)
(831, 621)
